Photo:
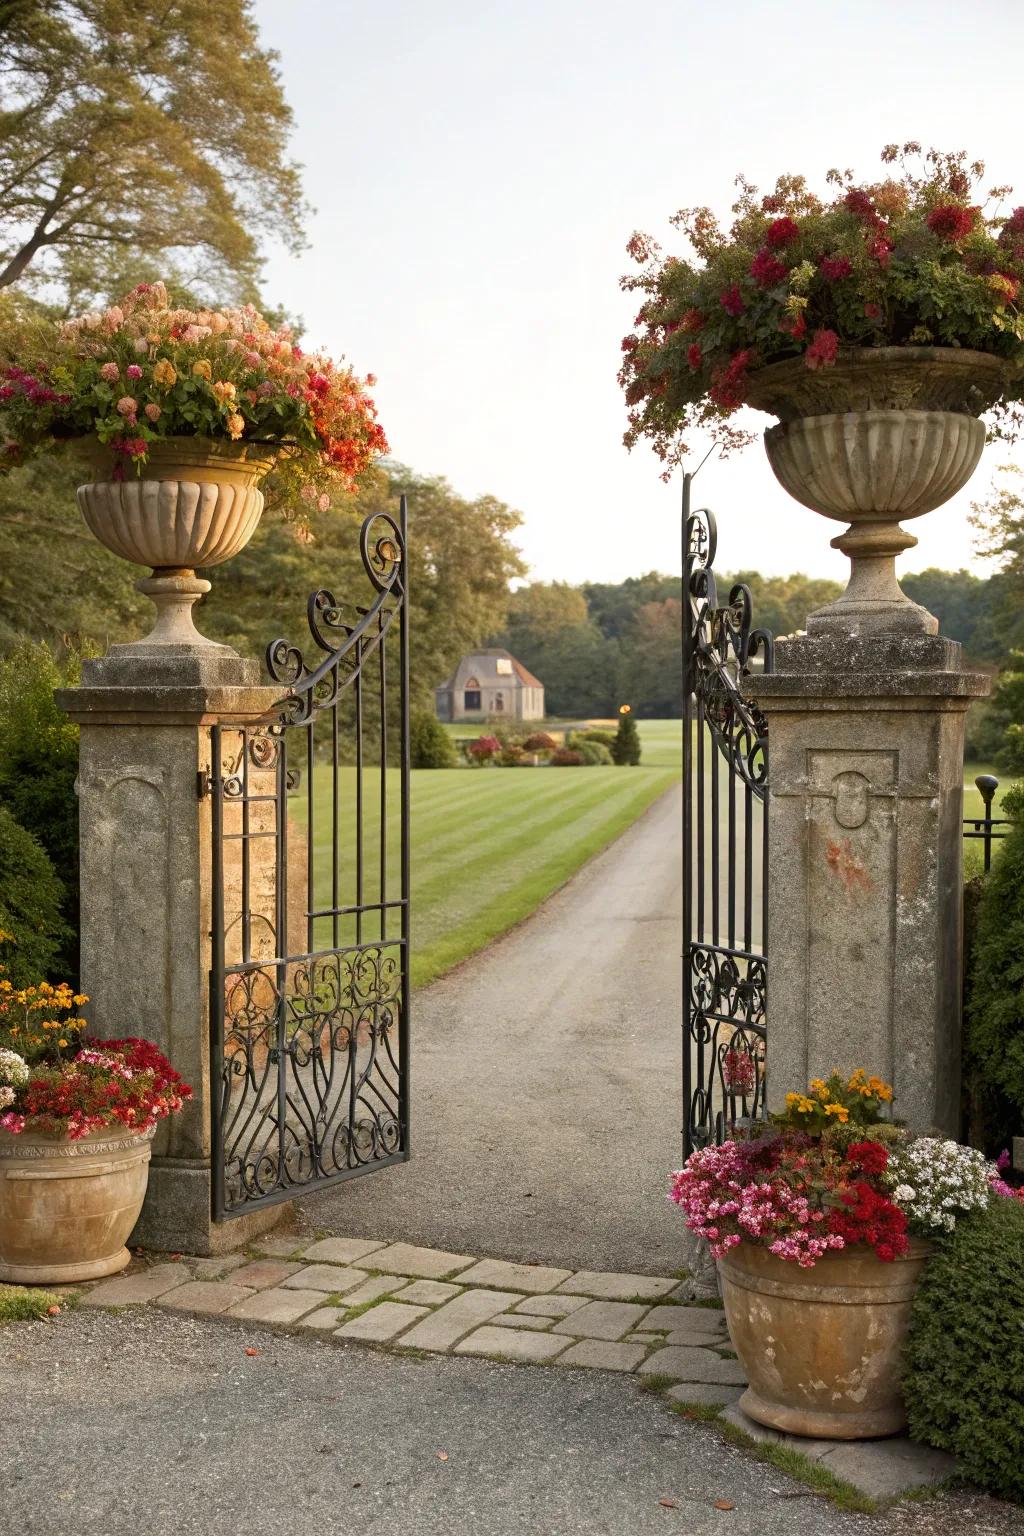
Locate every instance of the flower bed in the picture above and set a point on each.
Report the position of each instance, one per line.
(909, 260)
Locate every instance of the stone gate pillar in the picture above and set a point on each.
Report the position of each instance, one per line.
(145, 716)
(865, 864)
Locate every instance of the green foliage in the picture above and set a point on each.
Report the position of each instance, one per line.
(964, 1382)
(602, 738)
(430, 746)
(30, 906)
(38, 766)
(1007, 715)
(594, 754)
(626, 751)
(134, 134)
(966, 606)
(994, 1028)
(21, 1304)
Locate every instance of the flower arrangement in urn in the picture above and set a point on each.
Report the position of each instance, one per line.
(879, 323)
(182, 412)
(72, 1109)
(834, 1189)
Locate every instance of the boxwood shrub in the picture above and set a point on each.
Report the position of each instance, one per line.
(964, 1368)
(30, 906)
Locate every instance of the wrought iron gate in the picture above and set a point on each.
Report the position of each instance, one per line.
(309, 982)
(725, 847)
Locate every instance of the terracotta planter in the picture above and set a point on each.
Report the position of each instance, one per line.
(196, 503)
(67, 1207)
(887, 433)
(822, 1347)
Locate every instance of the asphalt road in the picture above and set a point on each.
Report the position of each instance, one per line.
(155, 1422)
(546, 1081)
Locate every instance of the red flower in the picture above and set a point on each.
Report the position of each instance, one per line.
(822, 351)
(832, 268)
(692, 320)
(794, 325)
(694, 356)
(872, 311)
(858, 202)
(952, 221)
(766, 269)
(782, 232)
(728, 387)
(879, 248)
(731, 300)
(869, 1156)
(1014, 226)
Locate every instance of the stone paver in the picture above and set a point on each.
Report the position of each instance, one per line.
(602, 1355)
(674, 1319)
(552, 1306)
(426, 1263)
(207, 1296)
(695, 1338)
(525, 1346)
(214, 1269)
(263, 1273)
(375, 1287)
(127, 1290)
(514, 1277)
(381, 1324)
(325, 1277)
(590, 1282)
(278, 1247)
(880, 1468)
(449, 1323)
(430, 1293)
(325, 1318)
(521, 1320)
(694, 1365)
(602, 1320)
(276, 1305)
(708, 1394)
(342, 1250)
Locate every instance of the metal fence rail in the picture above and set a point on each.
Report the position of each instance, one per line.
(987, 828)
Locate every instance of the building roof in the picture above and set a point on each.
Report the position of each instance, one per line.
(483, 665)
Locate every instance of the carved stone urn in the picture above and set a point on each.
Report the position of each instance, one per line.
(886, 433)
(195, 503)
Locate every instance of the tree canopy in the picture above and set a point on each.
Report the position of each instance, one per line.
(137, 134)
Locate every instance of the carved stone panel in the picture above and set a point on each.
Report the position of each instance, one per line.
(851, 907)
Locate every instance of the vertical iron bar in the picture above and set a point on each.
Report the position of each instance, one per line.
(404, 1085)
(358, 689)
(715, 850)
(383, 893)
(748, 866)
(281, 929)
(687, 667)
(246, 829)
(731, 855)
(310, 839)
(335, 815)
(217, 981)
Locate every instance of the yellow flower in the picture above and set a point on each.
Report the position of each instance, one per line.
(236, 424)
(62, 1042)
(840, 1111)
(202, 369)
(819, 1088)
(224, 390)
(165, 374)
(79, 998)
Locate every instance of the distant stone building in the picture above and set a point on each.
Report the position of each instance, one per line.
(487, 685)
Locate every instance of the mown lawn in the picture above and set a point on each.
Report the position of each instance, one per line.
(489, 844)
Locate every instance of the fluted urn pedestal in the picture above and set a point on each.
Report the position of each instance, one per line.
(865, 719)
(196, 503)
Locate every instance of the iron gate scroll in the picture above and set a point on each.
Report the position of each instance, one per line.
(725, 847)
(310, 968)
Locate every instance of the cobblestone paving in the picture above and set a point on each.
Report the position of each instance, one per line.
(402, 1297)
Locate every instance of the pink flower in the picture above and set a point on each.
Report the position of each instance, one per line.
(128, 407)
(153, 412)
(324, 502)
(133, 371)
(822, 351)
(110, 372)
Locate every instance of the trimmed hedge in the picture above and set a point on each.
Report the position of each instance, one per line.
(994, 1025)
(30, 906)
(964, 1365)
(430, 746)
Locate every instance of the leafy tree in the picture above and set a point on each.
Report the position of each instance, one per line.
(651, 670)
(963, 604)
(995, 1006)
(781, 604)
(31, 923)
(613, 607)
(133, 131)
(626, 750)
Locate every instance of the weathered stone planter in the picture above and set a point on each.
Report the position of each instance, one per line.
(196, 503)
(822, 1347)
(887, 433)
(66, 1207)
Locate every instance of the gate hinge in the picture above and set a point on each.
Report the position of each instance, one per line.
(203, 783)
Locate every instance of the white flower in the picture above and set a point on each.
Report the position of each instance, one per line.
(6, 1097)
(13, 1069)
(904, 1195)
(938, 1180)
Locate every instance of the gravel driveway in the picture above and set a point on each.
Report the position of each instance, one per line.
(546, 1081)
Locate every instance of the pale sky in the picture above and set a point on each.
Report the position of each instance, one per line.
(477, 169)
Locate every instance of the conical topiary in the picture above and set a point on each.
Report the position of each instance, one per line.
(626, 748)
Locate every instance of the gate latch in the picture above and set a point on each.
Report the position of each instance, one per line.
(203, 783)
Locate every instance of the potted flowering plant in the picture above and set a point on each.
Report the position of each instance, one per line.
(821, 1222)
(76, 1120)
(182, 412)
(878, 323)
